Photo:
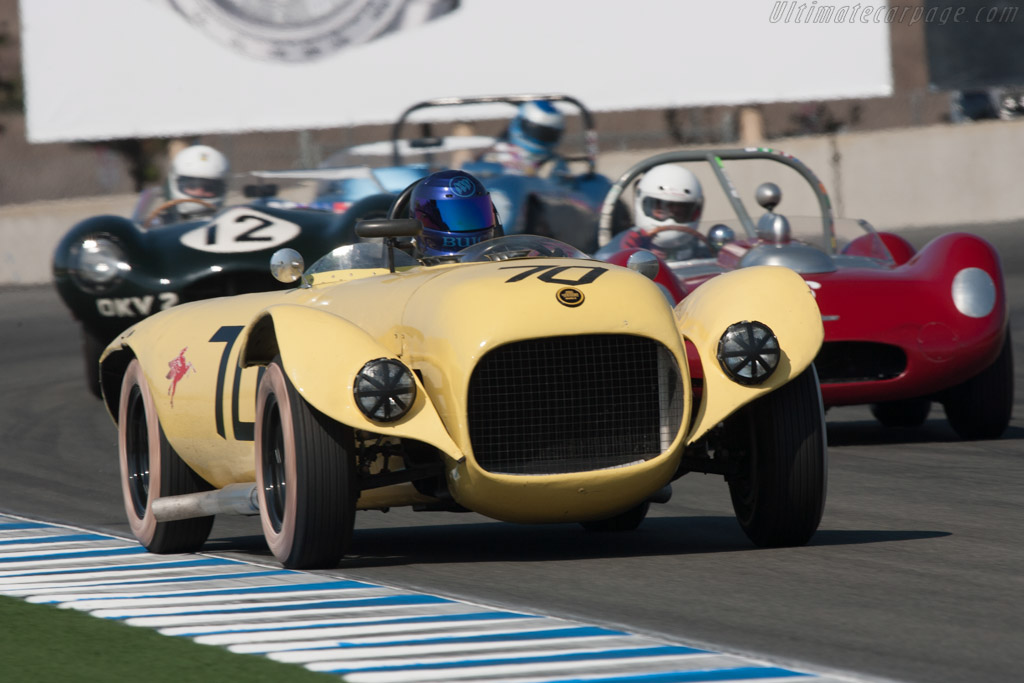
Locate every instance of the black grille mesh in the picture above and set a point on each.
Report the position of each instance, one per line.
(573, 404)
(839, 362)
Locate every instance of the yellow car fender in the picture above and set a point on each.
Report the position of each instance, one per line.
(185, 361)
(322, 353)
(773, 295)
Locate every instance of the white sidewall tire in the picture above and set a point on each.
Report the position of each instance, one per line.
(273, 384)
(144, 527)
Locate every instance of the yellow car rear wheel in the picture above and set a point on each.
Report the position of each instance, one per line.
(150, 469)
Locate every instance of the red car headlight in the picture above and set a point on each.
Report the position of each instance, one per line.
(974, 292)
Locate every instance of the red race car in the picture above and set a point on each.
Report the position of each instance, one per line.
(903, 328)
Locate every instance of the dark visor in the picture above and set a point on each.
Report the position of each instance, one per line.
(540, 133)
(458, 215)
(663, 210)
(200, 187)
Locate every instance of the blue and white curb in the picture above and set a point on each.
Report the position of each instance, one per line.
(364, 632)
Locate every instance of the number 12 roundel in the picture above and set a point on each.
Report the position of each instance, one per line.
(239, 230)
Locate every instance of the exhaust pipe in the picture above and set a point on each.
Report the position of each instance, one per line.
(233, 499)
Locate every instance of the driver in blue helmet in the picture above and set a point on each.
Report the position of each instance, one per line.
(456, 212)
(531, 138)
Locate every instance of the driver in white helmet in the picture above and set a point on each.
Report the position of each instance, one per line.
(667, 209)
(196, 184)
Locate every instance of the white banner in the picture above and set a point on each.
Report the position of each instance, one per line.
(106, 69)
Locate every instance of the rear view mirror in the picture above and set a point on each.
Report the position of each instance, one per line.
(286, 265)
(388, 227)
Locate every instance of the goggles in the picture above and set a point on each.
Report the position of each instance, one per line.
(540, 132)
(664, 209)
(201, 188)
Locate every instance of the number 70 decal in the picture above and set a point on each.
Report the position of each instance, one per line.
(243, 431)
(557, 274)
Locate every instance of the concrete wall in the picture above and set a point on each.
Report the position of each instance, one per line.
(29, 233)
(909, 177)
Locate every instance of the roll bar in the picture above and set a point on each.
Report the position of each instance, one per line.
(715, 157)
(590, 133)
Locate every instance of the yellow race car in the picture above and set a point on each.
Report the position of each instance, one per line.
(519, 379)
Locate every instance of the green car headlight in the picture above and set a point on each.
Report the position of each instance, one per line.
(384, 390)
(99, 263)
(749, 352)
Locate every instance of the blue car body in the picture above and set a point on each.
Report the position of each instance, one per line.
(559, 203)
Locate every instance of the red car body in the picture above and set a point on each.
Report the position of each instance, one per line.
(903, 328)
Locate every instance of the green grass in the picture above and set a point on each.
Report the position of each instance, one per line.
(45, 643)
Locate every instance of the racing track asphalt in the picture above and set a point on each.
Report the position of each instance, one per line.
(914, 574)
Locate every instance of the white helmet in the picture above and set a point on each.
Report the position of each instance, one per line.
(198, 172)
(668, 195)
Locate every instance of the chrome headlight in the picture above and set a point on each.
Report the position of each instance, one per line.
(384, 390)
(749, 352)
(98, 263)
(974, 292)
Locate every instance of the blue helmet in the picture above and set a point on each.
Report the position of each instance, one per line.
(537, 128)
(455, 210)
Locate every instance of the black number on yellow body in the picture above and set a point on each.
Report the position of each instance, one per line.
(553, 274)
(243, 431)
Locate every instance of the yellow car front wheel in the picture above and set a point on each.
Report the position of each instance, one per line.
(305, 476)
(778, 494)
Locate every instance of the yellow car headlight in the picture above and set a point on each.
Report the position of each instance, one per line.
(384, 390)
(749, 352)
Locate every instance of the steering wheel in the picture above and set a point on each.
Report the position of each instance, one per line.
(174, 202)
(400, 207)
(680, 228)
(505, 252)
(545, 167)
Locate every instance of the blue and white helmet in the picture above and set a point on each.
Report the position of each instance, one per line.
(456, 212)
(537, 128)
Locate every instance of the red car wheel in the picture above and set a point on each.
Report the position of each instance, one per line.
(980, 408)
(909, 413)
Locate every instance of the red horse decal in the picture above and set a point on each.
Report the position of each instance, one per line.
(179, 367)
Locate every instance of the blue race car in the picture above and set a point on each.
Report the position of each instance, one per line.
(532, 185)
